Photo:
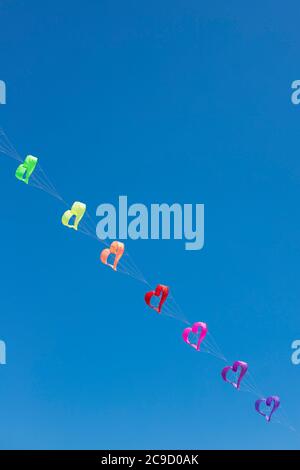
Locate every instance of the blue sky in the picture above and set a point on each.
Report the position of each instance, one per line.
(168, 101)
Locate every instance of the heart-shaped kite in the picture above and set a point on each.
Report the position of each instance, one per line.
(117, 249)
(197, 328)
(160, 291)
(243, 366)
(272, 402)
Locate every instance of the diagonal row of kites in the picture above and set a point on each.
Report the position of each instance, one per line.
(193, 335)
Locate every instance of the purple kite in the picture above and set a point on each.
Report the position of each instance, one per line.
(272, 402)
(243, 366)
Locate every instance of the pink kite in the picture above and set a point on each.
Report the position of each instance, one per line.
(160, 291)
(117, 249)
(197, 328)
(243, 366)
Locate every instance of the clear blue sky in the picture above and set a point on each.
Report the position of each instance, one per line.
(190, 102)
